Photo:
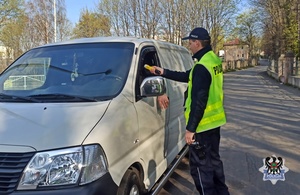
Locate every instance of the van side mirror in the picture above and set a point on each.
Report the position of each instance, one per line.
(153, 86)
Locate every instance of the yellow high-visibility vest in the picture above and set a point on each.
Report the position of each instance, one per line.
(214, 114)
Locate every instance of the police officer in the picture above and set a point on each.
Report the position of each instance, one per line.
(204, 113)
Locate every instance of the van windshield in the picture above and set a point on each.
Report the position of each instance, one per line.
(76, 72)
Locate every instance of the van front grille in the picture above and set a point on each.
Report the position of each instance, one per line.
(11, 168)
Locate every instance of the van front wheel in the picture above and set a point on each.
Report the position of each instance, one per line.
(131, 183)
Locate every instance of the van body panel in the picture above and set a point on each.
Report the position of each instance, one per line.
(48, 126)
(152, 123)
(105, 185)
(174, 57)
(15, 148)
(117, 132)
(152, 137)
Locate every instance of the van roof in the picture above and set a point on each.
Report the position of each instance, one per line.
(135, 40)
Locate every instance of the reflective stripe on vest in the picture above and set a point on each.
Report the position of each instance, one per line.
(214, 115)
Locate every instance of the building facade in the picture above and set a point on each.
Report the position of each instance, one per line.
(235, 50)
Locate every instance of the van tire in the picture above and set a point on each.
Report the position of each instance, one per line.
(131, 183)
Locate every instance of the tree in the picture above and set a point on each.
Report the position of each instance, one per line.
(9, 9)
(30, 24)
(11, 36)
(10, 14)
(169, 20)
(138, 18)
(218, 19)
(63, 25)
(41, 21)
(248, 26)
(111, 9)
(280, 25)
(91, 24)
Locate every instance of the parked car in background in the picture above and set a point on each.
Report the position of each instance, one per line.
(264, 62)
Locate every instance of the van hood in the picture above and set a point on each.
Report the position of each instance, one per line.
(42, 126)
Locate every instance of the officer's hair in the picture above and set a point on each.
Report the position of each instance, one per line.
(205, 43)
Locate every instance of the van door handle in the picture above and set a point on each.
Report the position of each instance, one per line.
(136, 141)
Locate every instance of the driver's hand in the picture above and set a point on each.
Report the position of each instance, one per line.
(163, 101)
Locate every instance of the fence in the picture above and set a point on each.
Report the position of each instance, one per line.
(238, 64)
(24, 82)
(296, 67)
(286, 69)
(279, 66)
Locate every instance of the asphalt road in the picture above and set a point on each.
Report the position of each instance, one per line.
(263, 119)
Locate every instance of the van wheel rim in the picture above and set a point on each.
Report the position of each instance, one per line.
(134, 190)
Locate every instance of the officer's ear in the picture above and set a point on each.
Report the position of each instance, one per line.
(199, 43)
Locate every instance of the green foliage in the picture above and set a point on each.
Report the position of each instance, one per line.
(281, 26)
(91, 24)
(270, 25)
(11, 34)
(290, 33)
(9, 9)
(30, 23)
(11, 25)
(248, 30)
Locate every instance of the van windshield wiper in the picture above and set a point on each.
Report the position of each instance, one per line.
(56, 97)
(79, 73)
(89, 74)
(14, 98)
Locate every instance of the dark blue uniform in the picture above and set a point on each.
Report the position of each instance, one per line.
(205, 163)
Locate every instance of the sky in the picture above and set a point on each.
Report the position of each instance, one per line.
(74, 8)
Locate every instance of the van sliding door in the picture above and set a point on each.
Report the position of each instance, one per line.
(152, 120)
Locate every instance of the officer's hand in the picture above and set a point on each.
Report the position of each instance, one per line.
(189, 137)
(157, 70)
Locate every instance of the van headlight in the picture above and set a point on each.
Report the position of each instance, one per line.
(64, 167)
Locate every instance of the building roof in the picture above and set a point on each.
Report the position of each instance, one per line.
(233, 42)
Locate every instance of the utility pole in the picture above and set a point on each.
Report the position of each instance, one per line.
(298, 55)
(298, 17)
(54, 14)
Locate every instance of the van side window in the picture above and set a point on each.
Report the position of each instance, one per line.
(148, 56)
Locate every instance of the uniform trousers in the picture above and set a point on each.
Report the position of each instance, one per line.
(206, 166)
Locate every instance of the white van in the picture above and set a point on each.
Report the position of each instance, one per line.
(81, 117)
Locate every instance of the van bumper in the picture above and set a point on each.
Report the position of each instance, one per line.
(104, 186)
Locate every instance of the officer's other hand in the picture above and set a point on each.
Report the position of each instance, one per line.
(189, 137)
